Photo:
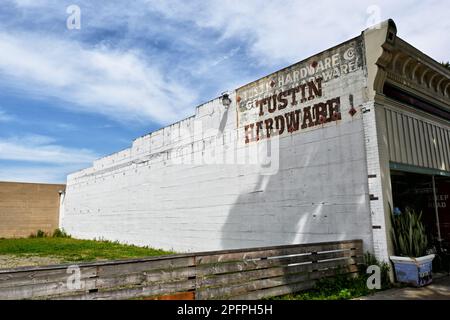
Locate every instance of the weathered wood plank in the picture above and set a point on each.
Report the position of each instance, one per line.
(59, 286)
(242, 288)
(134, 292)
(276, 291)
(298, 246)
(220, 258)
(246, 276)
(44, 276)
(144, 278)
(337, 255)
(218, 268)
(39, 290)
(147, 266)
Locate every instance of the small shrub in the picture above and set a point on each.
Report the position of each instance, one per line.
(39, 234)
(371, 260)
(340, 287)
(60, 233)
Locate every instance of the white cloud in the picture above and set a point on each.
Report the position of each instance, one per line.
(30, 3)
(290, 30)
(37, 158)
(119, 84)
(43, 149)
(129, 85)
(35, 173)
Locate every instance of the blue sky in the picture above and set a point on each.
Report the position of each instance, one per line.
(68, 97)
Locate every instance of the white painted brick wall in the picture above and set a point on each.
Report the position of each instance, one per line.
(320, 192)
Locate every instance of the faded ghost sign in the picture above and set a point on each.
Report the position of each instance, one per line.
(299, 97)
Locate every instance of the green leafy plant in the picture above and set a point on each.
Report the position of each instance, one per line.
(60, 233)
(38, 234)
(446, 64)
(340, 287)
(371, 260)
(408, 234)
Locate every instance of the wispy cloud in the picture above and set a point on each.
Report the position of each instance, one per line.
(151, 60)
(289, 30)
(29, 3)
(36, 173)
(118, 84)
(37, 158)
(43, 149)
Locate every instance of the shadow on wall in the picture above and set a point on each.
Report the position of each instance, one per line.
(270, 214)
(316, 196)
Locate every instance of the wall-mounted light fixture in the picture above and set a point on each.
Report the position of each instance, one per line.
(226, 101)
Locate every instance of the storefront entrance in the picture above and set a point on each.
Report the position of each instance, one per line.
(429, 194)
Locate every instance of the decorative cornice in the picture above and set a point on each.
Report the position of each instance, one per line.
(413, 71)
(389, 59)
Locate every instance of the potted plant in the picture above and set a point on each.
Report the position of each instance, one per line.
(412, 264)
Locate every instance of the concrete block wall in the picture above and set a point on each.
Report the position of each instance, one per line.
(170, 191)
(26, 208)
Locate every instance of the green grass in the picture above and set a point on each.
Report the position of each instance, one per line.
(73, 250)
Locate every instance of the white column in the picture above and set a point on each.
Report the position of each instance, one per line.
(379, 180)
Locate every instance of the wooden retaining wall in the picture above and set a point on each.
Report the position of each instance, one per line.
(234, 274)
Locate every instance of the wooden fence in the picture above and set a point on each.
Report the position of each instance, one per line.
(234, 274)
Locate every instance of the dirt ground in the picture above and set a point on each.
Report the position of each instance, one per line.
(9, 262)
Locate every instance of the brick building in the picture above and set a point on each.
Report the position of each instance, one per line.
(319, 151)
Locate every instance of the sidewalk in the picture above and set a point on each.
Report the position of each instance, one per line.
(438, 290)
